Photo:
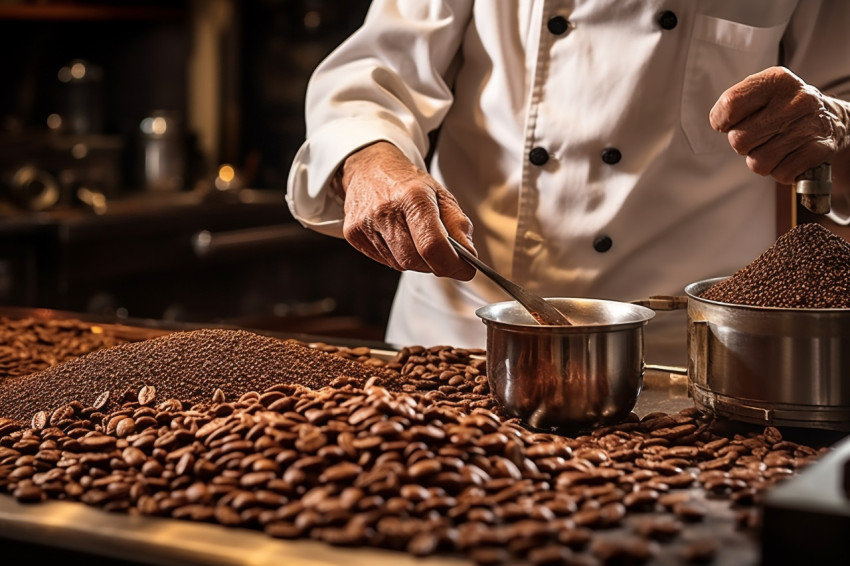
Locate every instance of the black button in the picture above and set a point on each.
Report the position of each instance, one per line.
(538, 156)
(667, 19)
(611, 155)
(558, 25)
(602, 243)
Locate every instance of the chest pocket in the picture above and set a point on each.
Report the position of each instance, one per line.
(722, 53)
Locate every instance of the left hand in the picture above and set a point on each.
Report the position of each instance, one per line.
(783, 125)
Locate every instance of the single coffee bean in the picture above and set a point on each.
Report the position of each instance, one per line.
(701, 550)
(690, 511)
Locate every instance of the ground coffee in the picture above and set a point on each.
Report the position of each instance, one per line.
(807, 267)
(189, 366)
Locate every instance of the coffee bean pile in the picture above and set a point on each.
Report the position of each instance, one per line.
(28, 345)
(185, 365)
(807, 267)
(425, 468)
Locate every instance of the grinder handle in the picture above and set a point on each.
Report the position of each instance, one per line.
(815, 187)
(663, 302)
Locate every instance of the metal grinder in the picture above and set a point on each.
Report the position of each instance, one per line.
(815, 187)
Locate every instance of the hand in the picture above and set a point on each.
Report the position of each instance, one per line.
(783, 125)
(398, 215)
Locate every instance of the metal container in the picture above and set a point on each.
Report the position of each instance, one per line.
(83, 97)
(785, 367)
(562, 378)
(164, 159)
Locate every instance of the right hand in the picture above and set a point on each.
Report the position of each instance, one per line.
(398, 215)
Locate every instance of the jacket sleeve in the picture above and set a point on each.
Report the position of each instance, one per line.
(387, 81)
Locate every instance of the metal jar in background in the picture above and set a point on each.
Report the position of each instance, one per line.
(163, 152)
(566, 378)
(764, 365)
(83, 97)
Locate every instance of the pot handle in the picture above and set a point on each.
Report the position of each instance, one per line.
(663, 302)
(676, 370)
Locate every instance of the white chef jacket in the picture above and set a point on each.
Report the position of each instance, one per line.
(575, 136)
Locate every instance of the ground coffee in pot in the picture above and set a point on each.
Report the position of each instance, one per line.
(807, 267)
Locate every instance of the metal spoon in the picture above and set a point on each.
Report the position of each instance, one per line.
(542, 311)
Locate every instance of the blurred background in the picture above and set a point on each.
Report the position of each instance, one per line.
(144, 149)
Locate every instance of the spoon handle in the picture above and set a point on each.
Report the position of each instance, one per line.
(542, 311)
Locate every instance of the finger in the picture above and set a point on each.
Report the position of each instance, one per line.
(802, 159)
(776, 85)
(429, 234)
(755, 130)
(365, 240)
(410, 226)
(457, 223)
(380, 244)
(766, 157)
(459, 227)
(740, 101)
(403, 248)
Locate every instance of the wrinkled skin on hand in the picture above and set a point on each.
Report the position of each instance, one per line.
(783, 125)
(398, 215)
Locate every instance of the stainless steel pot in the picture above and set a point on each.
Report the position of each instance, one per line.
(786, 367)
(561, 378)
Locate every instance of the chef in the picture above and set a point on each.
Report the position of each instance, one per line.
(587, 148)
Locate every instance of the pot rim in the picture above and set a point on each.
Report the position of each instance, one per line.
(634, 316)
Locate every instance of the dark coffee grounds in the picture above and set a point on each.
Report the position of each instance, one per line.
(189, 366)
(808, 267)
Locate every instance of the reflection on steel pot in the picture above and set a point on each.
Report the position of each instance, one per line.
(767, 365)
(563, 378)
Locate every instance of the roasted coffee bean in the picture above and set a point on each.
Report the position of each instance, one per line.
(97, 442)
(147, 394)
(623, 549)
(425, 468)
(672, 433)
(680, 480)
(133, 457)
(612, 513)
(342, 472)
(701, 550)
(669, 500)
(28, 492)
(424, 543)
(642, 499)
(690, 511)
(125, 427)
(336, 463)
(660, 527)
(550, 555)
(490, 556)
(575, 538)
(39, 420)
